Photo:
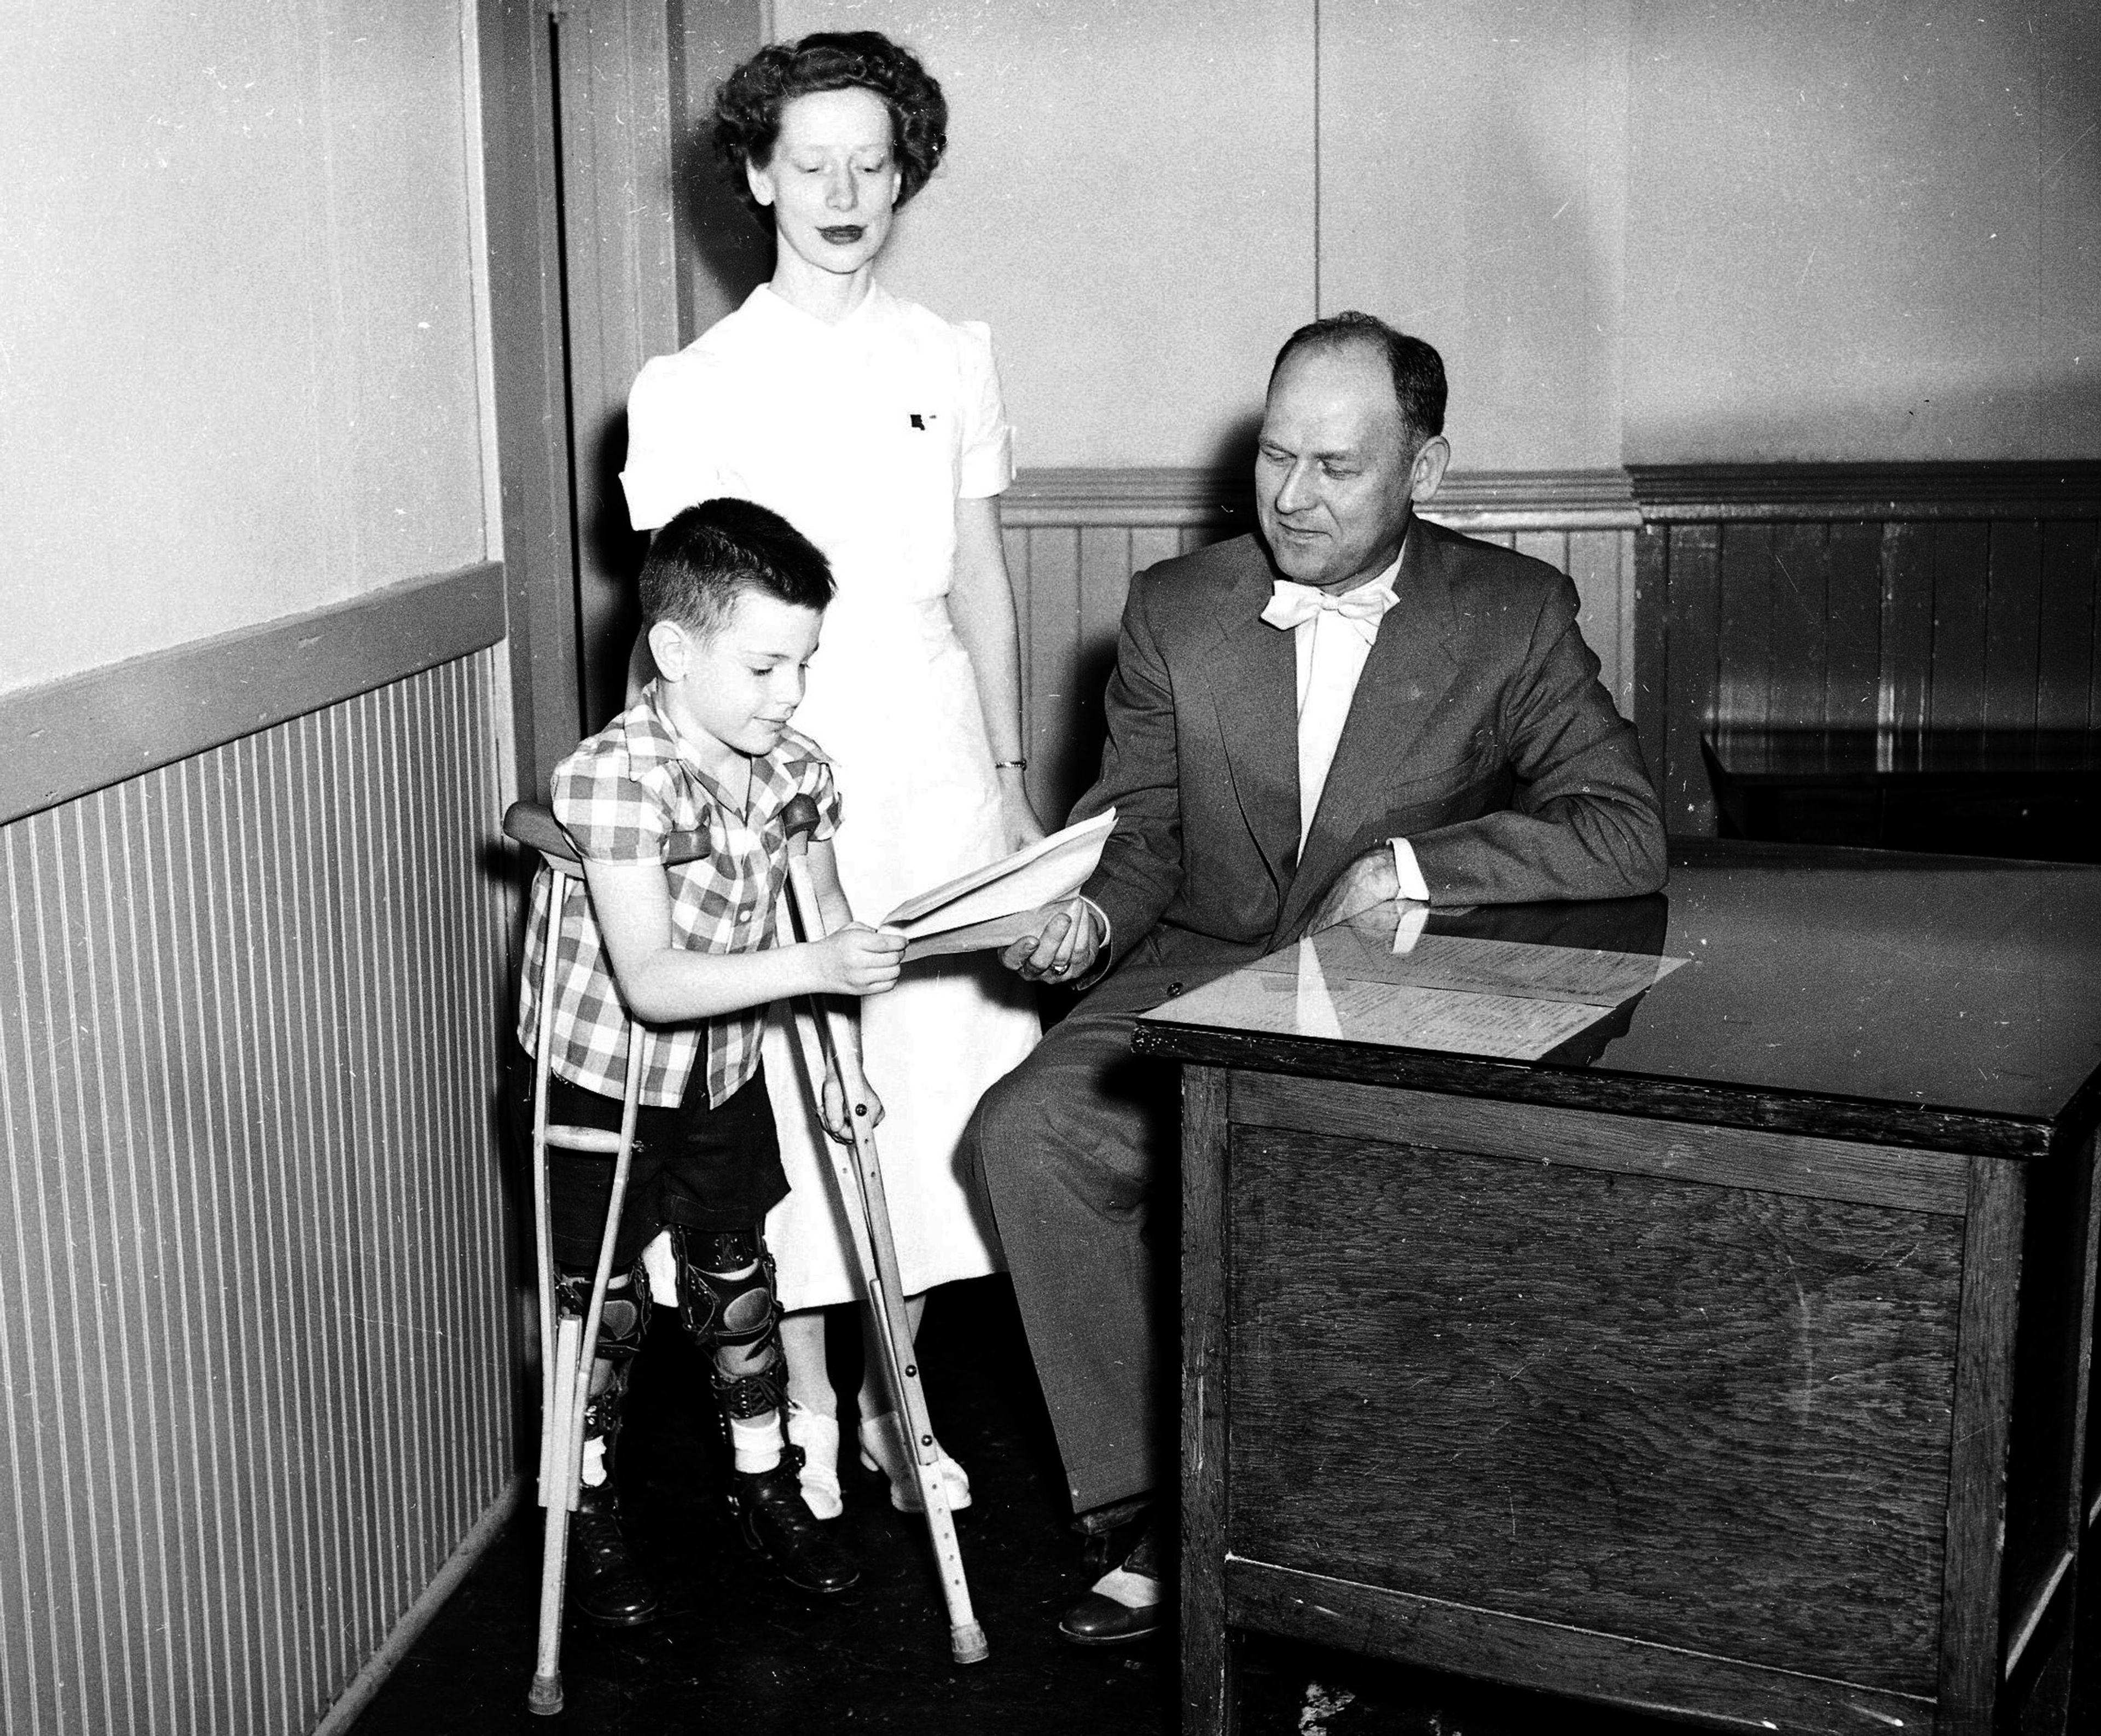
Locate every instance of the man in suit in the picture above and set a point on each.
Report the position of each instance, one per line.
(1355, 706)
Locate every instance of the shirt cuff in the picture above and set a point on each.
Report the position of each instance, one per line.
(1101, 916)
(1095, 971)
(1408, 872)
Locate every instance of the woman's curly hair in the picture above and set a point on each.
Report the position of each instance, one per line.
(748, 106)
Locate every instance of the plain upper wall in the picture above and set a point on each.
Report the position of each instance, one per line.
(1867, 231)
(1473, 191)
(240, 372)
(1641, 230)
(1124, 200)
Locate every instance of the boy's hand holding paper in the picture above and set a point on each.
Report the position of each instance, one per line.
(1003, 903)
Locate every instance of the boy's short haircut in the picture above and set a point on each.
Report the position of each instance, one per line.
(704, 558)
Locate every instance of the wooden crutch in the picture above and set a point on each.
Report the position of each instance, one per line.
(859, 1173)
(567, 1348)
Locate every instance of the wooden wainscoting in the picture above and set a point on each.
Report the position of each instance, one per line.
(1074, 536)
(1903, 596)
(259, 1344)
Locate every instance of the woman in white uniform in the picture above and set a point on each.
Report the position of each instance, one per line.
(876, 428)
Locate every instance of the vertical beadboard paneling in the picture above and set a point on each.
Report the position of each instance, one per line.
(1549, 545)
(1692, 618)
(2069, 664)
(1050, 677)
(1744, 663)
(257, 1347)
(1655, 677)
(1961, 597)
(1907, 666)
(1852, 624)
(1905, 598)
(1594, 564)
(1800, 671)
(2012, 652)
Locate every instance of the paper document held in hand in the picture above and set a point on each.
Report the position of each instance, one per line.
(998, 904)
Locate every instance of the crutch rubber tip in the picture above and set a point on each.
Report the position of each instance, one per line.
(545, 1698)
(966, 1640)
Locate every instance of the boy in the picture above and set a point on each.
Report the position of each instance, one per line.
(732, 597)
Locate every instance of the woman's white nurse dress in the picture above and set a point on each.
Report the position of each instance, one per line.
(863, 435)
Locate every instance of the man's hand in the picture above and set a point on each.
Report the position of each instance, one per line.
(857, 960)
(1367, 882)
(1064, 947)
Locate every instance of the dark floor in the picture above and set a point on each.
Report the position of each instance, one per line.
(754, 1655)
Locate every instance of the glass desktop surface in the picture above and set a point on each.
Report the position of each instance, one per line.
(1953, 983)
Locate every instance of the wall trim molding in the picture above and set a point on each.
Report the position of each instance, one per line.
(70, 737)
(1141, 497)
(1167, 496)
(1170, 496)
(1707, 493)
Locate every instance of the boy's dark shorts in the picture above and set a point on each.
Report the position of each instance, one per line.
(704, 1168)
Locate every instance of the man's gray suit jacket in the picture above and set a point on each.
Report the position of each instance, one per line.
(1479, 731)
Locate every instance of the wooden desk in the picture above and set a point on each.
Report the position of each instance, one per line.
(1730, 1359)
(2028, 793)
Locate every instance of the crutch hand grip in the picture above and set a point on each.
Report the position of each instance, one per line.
(800, 816)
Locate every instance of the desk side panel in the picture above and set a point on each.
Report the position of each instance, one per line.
(2048, 1439)
(1208, 1699)
(1573, 1395)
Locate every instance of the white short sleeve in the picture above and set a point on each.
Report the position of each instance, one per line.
(988, 454)
(670, 460)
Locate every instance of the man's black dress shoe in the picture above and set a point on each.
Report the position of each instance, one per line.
(1096, 1620)
(605, 1584)
(1099, 1620)
(777, 1522)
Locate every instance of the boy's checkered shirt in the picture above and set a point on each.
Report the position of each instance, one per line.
(625, 795)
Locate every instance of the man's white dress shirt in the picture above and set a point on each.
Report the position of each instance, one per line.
(1332, 635)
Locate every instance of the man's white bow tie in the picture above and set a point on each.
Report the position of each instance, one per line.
(1364, 608)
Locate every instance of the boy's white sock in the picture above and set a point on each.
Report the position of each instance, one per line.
(662, 1266)
(754, 1442)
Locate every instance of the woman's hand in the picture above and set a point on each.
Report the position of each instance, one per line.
(1018, 820)
(857, 960)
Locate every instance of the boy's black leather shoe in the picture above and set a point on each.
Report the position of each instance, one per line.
(778, 1523)
(605, 1584)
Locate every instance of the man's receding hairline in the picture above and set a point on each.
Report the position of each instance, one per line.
(1336, 337)
(1411, 443)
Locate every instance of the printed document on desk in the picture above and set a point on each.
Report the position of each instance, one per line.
(1360, 951)
(1509, 999)
(1506, 1027)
